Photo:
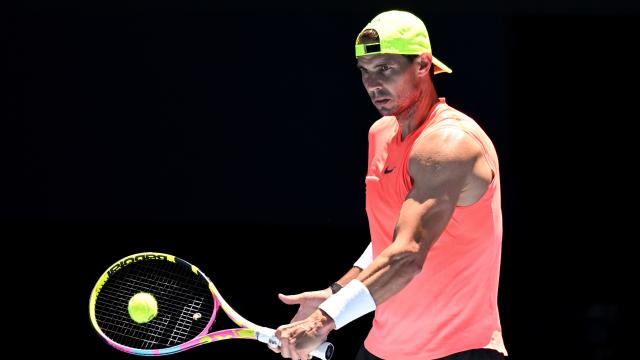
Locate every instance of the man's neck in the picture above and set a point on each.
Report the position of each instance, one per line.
(416, 115)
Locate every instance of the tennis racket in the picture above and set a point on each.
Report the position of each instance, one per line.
(187, 303)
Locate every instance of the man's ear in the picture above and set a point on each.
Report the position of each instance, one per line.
(424, 63)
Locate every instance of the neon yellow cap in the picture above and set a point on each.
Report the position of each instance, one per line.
(400, 32)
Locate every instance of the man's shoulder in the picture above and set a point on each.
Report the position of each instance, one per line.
(451, 116)
(451, 113)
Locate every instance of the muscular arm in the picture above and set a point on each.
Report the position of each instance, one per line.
(447, 168)
(441, 167)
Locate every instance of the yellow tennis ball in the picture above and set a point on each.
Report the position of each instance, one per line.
(143, 307)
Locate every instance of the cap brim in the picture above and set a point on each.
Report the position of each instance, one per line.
(440, 67)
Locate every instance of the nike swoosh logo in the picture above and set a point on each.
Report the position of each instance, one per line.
(387, 170)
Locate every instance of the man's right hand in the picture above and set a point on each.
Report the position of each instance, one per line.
(308, 301)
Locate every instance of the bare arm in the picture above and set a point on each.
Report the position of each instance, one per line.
(445, 168)
(440, 167)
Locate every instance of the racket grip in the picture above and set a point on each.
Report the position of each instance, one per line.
(267, 336)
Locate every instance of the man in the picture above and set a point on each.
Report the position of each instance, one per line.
(433, 203)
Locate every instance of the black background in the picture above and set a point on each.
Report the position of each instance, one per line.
(235, 136)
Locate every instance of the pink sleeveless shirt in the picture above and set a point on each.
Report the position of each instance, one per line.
(451, 305)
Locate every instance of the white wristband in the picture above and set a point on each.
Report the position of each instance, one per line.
(353, 301)
(365, 259)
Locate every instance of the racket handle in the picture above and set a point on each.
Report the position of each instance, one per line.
(267, 336)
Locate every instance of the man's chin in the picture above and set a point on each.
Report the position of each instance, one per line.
(385, 111)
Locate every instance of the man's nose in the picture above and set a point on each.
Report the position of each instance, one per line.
(371, 83)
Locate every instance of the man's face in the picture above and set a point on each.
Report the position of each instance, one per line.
(390, 81)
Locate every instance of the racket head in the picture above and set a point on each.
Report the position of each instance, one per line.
(187, 304)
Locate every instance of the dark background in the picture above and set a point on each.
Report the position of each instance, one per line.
(235, 136)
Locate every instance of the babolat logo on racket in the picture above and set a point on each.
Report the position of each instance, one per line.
(133, 259)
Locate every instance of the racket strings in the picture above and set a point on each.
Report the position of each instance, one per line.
(180, 293)
(143, 281)
(122, 292)
(180, 327)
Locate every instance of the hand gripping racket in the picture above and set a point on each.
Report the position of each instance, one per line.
(187, 303)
